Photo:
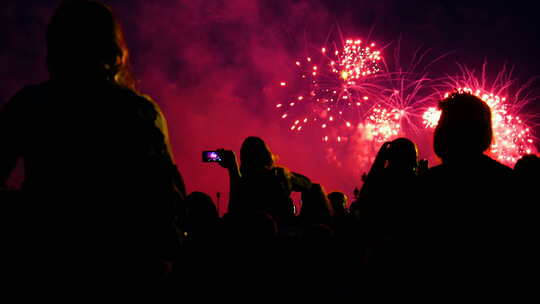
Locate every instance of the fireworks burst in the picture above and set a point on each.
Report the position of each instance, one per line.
(354, 100)
(431, 117)
(399, 106)
(383, 124)
(334, 84)
(356, 61)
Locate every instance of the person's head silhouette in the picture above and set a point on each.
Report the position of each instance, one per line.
(402, 154)
(338, 200)
(528, 167)
(464, 129)
(200, 207)
(85, 43)
(255, 155)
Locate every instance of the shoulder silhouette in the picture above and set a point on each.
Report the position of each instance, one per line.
(98, 166)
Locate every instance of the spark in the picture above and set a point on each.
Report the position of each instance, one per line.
(431, 117)
(357, 61)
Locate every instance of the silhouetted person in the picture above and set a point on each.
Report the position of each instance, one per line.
(201, 218)
(389, 185)
(382, 208)
(396, 158)
(527, 168)
(343, 221)
(467, 219)
(526, 173)
(316, 208)
(338, 200)
(259, 184)
(198, 263)
(96, 154)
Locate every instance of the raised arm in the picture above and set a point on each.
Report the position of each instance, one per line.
(375, 172)
(299, 182)
(230, 163)
(380, 160)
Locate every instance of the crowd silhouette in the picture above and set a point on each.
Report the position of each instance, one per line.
(103, 202)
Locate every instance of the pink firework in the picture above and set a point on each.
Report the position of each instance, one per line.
(383, 124)
(512, 138)
(431, 117)
(356, 61)
(407, 89)
(333, 84)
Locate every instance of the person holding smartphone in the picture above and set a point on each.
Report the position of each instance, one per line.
(258, 184)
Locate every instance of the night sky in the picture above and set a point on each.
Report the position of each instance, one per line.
(213, 65)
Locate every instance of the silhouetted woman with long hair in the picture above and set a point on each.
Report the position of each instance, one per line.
(259, 184)
(97, 159)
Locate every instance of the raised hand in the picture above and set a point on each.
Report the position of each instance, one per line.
(228, 159)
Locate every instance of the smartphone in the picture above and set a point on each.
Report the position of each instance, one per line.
(211, 156)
